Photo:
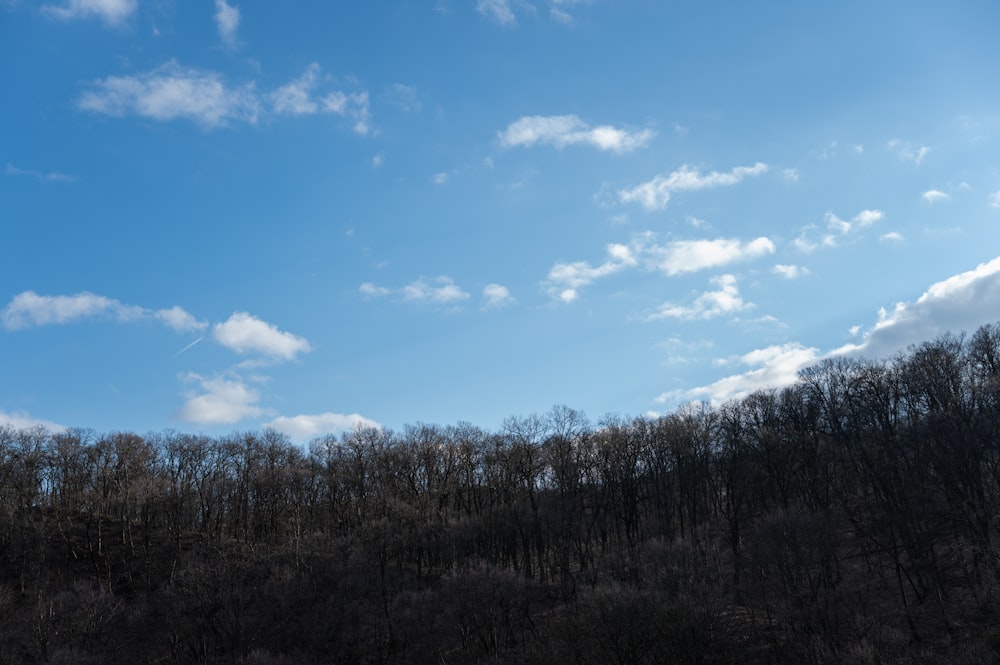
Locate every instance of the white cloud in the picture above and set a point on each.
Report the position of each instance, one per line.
(725, 300)
(219, 401)
(112, 12)
(891, 236)
(244, 333)
(960, 303)
(372, 291)
(227, 19)
(655, 194)
(811, 239)
(53, 176)
(295, 98)
(995, 199)
(934, 196)
(179, 320)
(171, 92)
(496, 295)
(790, 271)
(440, 178)
(20, 420)
(405, 97)
(564, 130)
(498, 10)
(306, 427)
(791, 175)
(28, 310)
(565, 279)
(772, 366)
(683, 256)
(442, 291)
(909, 152)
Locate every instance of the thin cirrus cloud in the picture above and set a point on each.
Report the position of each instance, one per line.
(566, 130)
(41, 176)
(502, 11)
(172, 92)
(811, 238)
(112, 12)
(959, 303)
(244, 333)
(227, 20)
(306, 427)
(441, 290)
(655, 194)
(30, 310)
(908, 152)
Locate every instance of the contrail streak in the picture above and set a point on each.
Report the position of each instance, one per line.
(187, 347)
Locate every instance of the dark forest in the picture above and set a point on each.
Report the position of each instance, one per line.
(849, 518)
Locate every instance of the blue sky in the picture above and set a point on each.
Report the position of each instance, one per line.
(220, 216)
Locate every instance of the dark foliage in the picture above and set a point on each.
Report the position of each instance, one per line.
(850, 518)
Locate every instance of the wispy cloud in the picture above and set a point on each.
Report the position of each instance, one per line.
(52, 176)
(306, 427)
(245, 333)
(811, 238)
(566, 130)
(655, 194)
(995, 199)
(496, 296)
(441, 290)
(112, 12)
(725, 299)
(227, 20)
(565, 279)
(790, 271)
(497, 10)
(29, 310)
(672, 258)
(219, 401)
(909, 152)
(172, 92)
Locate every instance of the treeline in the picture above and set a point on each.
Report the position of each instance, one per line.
(849, 518)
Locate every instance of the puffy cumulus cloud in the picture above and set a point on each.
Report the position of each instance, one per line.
(962, 302)
(112, 12)
(441, 290)
(172, 92)
(725, 299)
(227, 20)
(372, 291)
(934, 196)
(655, 194)
(790, 271)
(29, 310)
(20, 420)
(219, 401)
(565, 130)
(683, 256)
(305, 427)
(908, 152)
(496, 296)
(245, 333)
(771, 366)
(565, 279)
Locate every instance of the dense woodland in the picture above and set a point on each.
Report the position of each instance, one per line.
(849, 518)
